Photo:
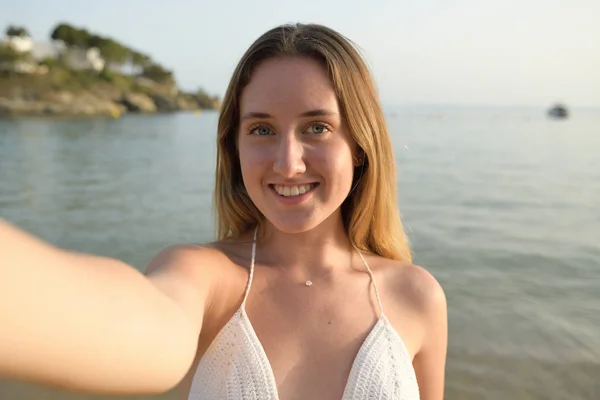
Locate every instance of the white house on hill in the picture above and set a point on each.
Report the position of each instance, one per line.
(75, 58)
(21, 44)
(90, 59)
(42, 50)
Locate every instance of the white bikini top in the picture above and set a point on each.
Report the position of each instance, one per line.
(235, 366)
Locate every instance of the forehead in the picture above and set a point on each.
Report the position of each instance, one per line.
(288, 85)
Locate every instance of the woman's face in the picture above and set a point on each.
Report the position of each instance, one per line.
(295, 152)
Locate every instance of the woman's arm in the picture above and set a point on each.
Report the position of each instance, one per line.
(93, 324)
(430, 361)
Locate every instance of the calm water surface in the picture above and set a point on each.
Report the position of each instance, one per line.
(501, 205)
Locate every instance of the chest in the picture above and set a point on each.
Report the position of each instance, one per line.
(311, 335)
(305, 340)
(236, 366)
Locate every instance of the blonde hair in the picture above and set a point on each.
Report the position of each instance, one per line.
(370, 211)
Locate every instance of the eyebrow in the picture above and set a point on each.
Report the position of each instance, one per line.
(311, 113)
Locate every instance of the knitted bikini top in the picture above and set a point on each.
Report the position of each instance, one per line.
(235, 366)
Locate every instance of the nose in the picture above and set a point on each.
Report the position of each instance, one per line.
(289, 157)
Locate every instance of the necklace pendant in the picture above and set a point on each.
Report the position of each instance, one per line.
(308, 283)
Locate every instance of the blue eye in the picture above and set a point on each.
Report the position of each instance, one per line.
(261, 130)
(318, 128)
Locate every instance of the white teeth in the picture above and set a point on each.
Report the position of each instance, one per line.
(289, 191)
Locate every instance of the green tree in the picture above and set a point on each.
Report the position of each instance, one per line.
(95, 41)
(112, 51)
(71, 36)
(140, 60)
(157, 73)
(62, 32)
(13, 31)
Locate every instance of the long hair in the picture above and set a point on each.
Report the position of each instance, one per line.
(370, 211)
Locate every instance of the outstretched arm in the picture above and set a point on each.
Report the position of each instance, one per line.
(86, 323)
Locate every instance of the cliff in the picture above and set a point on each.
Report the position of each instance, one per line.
(61, 91)
(81, 73)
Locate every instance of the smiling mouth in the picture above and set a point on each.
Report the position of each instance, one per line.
(292, 191)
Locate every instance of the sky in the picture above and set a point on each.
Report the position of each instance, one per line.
(421, 52)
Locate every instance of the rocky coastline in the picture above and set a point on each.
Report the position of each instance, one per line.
(101, 100)
(81, 73)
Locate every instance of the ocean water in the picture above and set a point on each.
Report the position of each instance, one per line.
(502, 205)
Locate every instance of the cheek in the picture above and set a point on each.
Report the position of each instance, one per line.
(336, 160)
(252, 159)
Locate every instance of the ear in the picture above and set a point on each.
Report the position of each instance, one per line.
(359, 158)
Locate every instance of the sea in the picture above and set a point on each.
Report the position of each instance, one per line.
(501, 205)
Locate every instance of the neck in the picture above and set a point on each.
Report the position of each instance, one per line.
(309, 253)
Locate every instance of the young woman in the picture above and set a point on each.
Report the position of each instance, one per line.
(309, 291)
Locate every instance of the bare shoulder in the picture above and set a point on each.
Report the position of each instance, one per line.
(415, 303)
(198, 260)
(418, 304)
(191, 275)
(411, 285)
(194, 261)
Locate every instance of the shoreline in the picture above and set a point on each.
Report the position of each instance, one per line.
(96, 103)
(91, 117)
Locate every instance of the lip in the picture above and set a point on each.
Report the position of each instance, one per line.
(293, 183)
(293, 199)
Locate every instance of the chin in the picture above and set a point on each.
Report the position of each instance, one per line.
(293, 225)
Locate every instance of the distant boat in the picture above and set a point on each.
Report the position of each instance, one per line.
(558, 111)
